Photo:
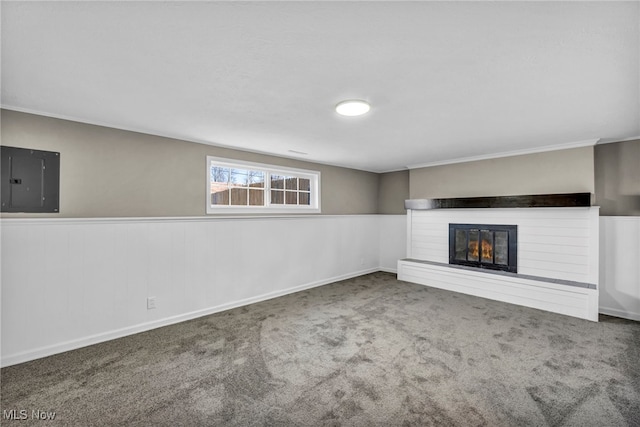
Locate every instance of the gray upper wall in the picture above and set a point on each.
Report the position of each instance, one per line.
(107, 172)
(617, 175)
(393, 190)
(562, 171)
(114, 173)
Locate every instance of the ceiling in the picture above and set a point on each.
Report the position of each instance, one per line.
(446, 80)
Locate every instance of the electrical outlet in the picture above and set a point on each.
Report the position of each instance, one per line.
(361, 261)
(151, 303)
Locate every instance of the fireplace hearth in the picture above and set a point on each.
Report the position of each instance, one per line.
(486, 246)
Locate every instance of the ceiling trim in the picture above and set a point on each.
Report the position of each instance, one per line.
(614, 140)
(546, 148)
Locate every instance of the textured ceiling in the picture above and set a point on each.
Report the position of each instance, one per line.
(446, 80)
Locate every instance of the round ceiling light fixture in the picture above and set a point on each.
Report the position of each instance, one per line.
(353, 107)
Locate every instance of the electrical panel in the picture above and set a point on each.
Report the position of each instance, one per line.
(30, 180)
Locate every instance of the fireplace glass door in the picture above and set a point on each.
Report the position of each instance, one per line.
(483, 246)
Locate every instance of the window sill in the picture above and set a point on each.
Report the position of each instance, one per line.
(260, 210)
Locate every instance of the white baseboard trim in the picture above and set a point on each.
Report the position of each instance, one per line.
(41, 352)
(388, 270)
(619, 313)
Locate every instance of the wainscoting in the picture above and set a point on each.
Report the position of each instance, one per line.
(67, 283)
(555, 246)
(620, 266)
(393, 241)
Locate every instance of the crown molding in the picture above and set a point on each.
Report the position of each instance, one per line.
(614, 140)
(578, 144)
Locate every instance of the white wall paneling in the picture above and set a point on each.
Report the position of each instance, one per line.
(67, 283)
(620, 266)
(553, 243)
(393, 241)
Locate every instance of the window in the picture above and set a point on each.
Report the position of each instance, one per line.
(242, 187)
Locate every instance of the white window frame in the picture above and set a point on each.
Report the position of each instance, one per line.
(313, 176)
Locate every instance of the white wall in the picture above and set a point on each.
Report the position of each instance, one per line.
(67, 283)
(620, 266)
(393, 241)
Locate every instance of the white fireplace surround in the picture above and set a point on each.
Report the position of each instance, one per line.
(558, 257)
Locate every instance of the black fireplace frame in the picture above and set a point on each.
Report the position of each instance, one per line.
(512, 233)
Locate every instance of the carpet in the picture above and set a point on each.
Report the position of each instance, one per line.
(368, 351)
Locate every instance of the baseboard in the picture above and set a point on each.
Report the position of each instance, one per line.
(619, 313)
(388, 270)
(143, 327)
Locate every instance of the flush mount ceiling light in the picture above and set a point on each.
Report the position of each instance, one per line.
(352, 107)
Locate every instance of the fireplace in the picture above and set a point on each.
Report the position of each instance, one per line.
(555, 267)
(484, 246)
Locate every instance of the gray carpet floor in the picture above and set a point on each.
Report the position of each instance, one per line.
(369, 351)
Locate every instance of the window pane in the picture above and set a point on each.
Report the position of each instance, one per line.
(277, 197)
(239, 196)
(239, 177)
(216, 187)
(256, 179)
(277, 181)
(305, 184)
(291, 197)
(219, 194)
(219, 174)
(291, 183)
(304, 198)
(256, 197)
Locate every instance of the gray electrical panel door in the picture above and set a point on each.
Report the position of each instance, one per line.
(30, 180)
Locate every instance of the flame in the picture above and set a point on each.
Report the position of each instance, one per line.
(487, 249)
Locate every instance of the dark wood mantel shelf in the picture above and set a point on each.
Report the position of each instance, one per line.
(528, 201)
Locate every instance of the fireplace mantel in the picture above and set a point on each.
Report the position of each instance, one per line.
(565, 200)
